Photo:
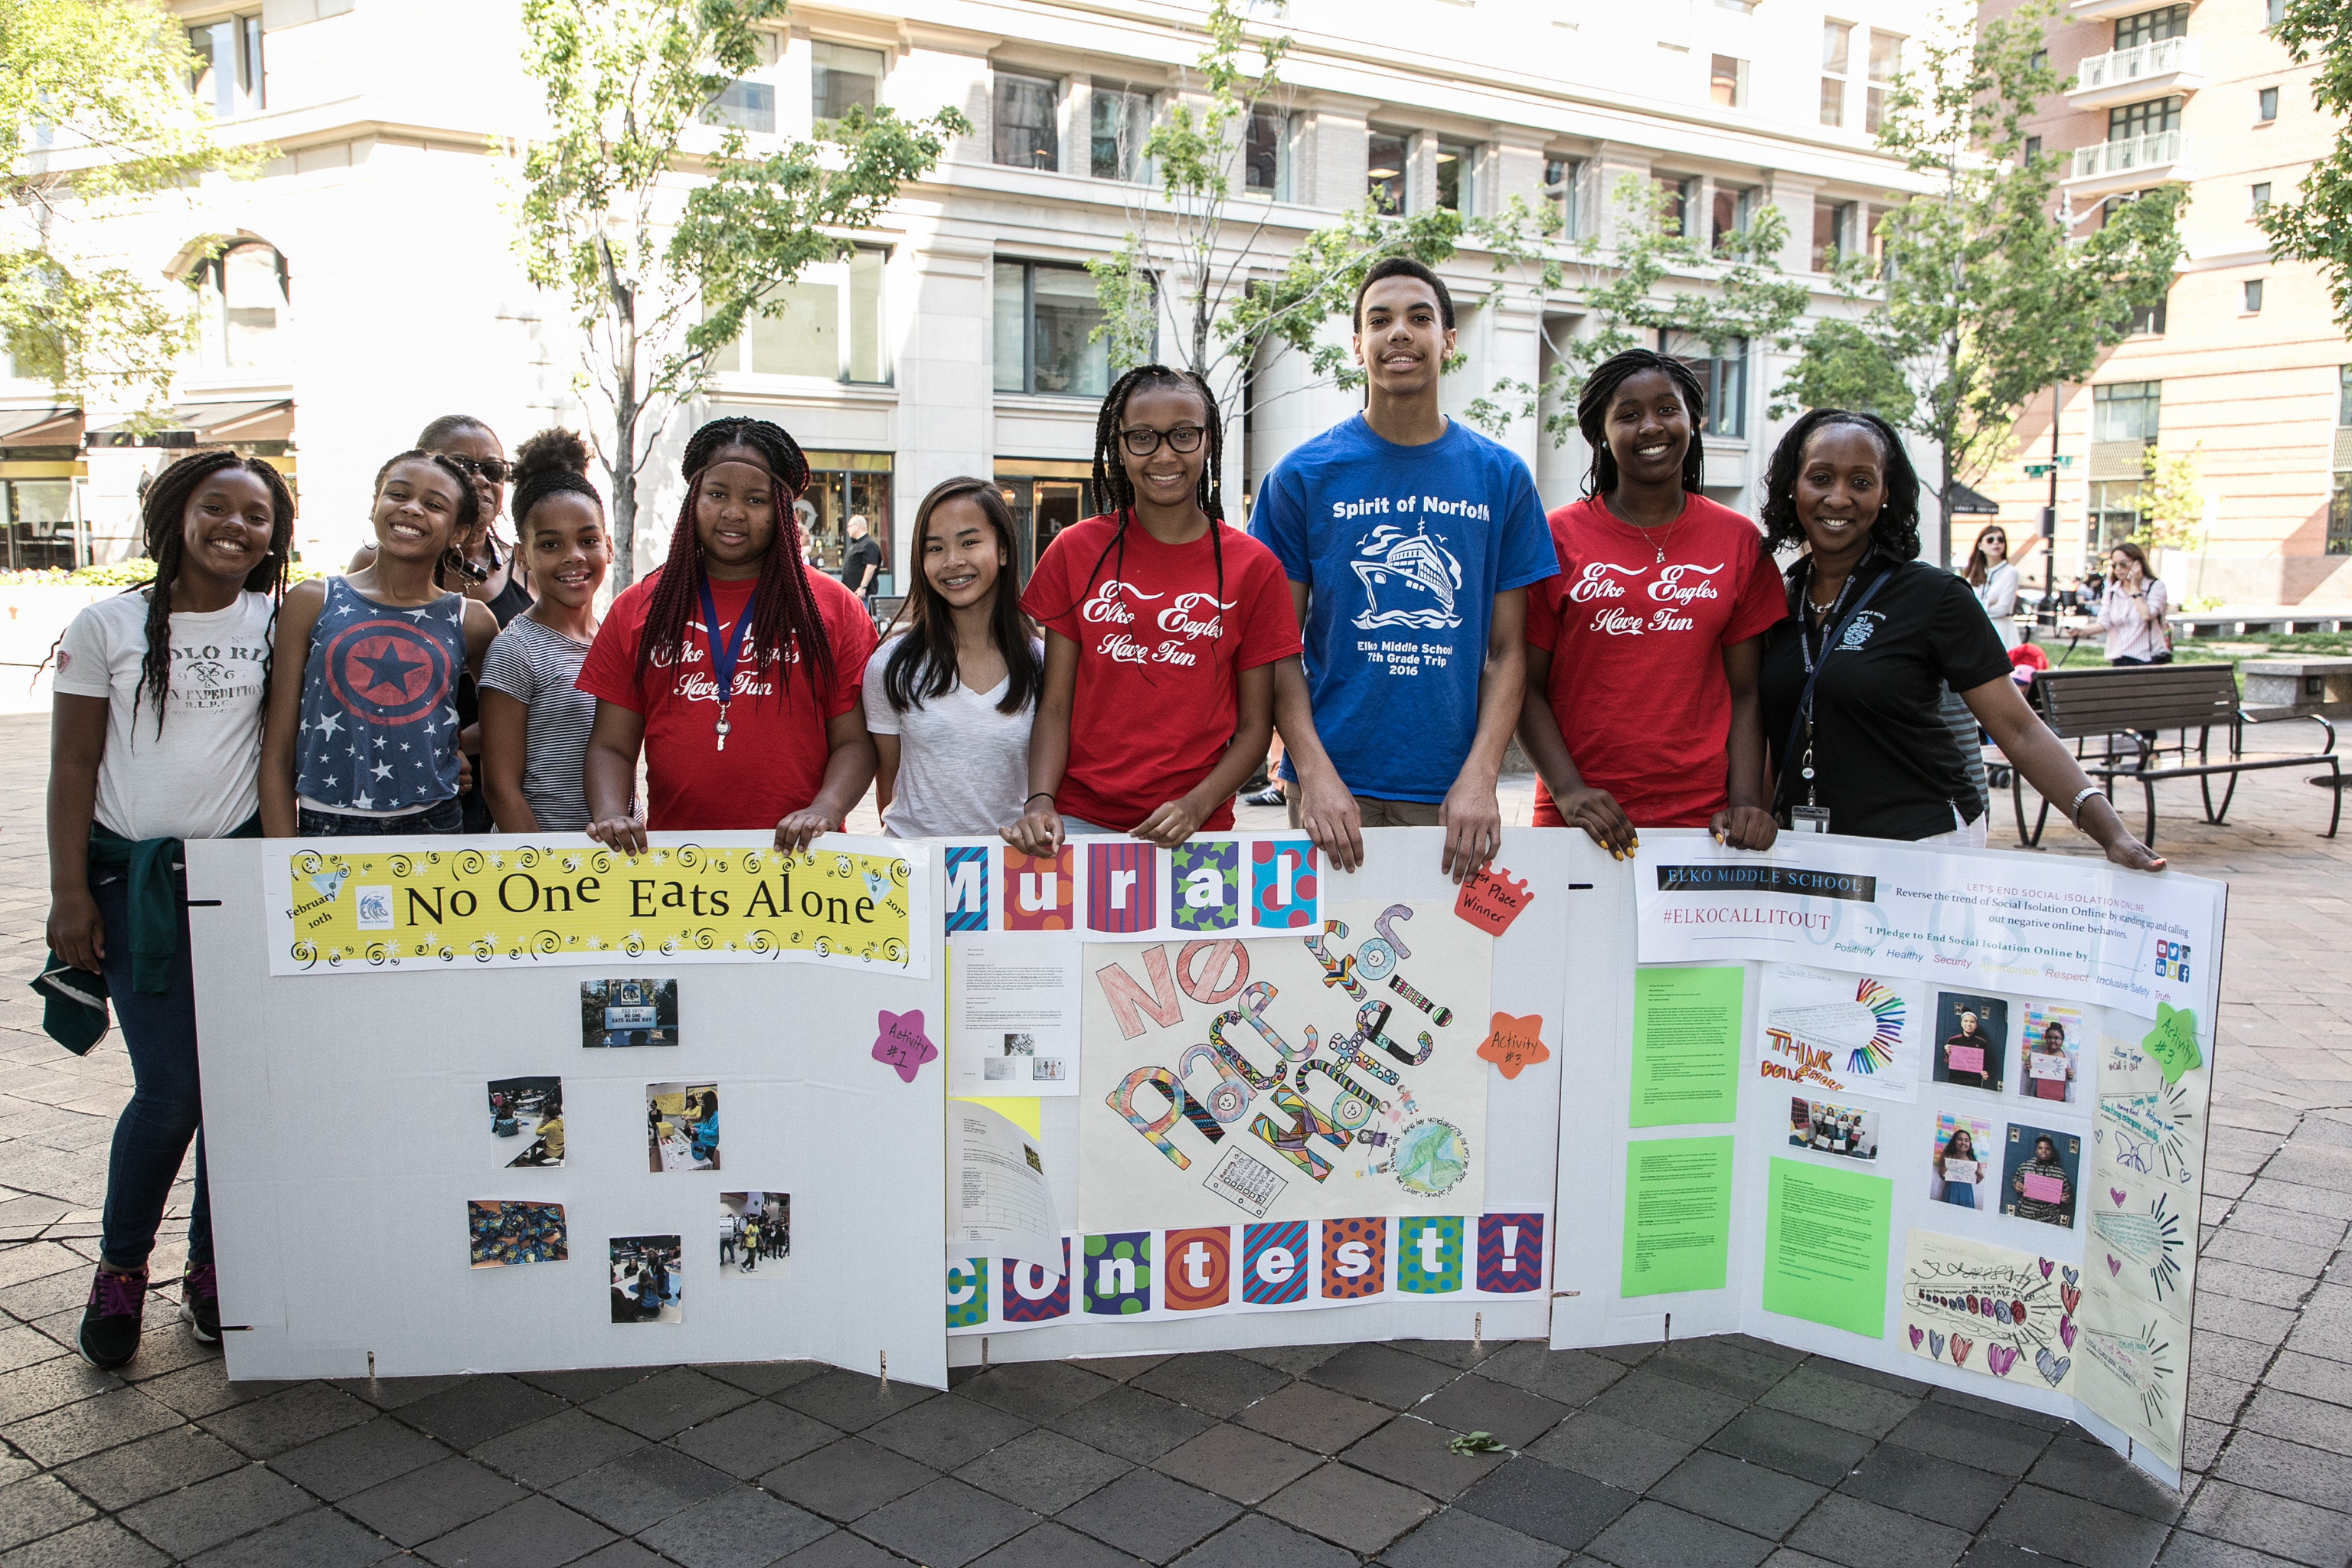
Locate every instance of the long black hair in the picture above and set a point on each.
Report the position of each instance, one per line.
(162, 514)
(923, 665)
(461, 525)
(1114, 492)
(1592, 415)
(1894, 535)
(784, 609)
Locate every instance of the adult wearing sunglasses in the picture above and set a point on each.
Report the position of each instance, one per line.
(1990, 573)
(491, 569)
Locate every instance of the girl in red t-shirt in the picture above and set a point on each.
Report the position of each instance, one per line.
(734, 668)
(1162, 629)
(1642, 656)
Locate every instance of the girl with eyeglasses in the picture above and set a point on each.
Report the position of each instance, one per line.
(1163, 630)
(1994, 577)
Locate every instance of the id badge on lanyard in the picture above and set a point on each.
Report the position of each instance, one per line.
(1809, 819)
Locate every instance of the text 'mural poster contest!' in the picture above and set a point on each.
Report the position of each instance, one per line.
(1970, 1103)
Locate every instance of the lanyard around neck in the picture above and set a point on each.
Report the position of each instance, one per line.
(723, 660)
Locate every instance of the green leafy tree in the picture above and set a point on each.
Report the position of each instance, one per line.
(2317, 224)
(96, 122)
(663, 232)
(1655, 286)
(2172, 500)
(1986, 296)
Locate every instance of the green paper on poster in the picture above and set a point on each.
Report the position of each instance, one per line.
(1686, 1046)
(2172, 1044)
(1825, 1239)
(1677, 1215)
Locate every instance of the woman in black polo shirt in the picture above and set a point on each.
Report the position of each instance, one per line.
(1874, 634)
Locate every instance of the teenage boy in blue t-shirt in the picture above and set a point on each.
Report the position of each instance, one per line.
(1410, 542)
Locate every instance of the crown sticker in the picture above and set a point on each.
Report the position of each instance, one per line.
(1491, 899)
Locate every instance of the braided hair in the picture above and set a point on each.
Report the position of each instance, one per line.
(163, 519)
(1592, 414)
(554, 462)
(783, 607)
(461, 523)
(1114, 492)
(1896, 534)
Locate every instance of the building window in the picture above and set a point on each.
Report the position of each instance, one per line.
(2262, 196)
(2152, 27)
(2274, 13)
(844, 77)
(1885, 60)
(1837, 50)
(2115, 513)
(2130, 121)
(2032, 148)
(227, 77)
(842, 485)
(243, 294)
(1045, 319)
(39, 514)
(1732, 211)
(826, 322)
(2266, 104)
(1267, 155)
(1456, 177)
(1726, 82)
(746, 105)
(2343, 398)
(1118, 121)
(2147, 321)
(1025, 134)
(1726, 380)
(1387, 156)
(1677, 195)
(1829, 221)
(2253, 296)
(2126, 411)
(1563, 182)
(2339, 515)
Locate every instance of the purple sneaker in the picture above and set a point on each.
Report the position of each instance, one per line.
(109, 1324)
(200, 1303)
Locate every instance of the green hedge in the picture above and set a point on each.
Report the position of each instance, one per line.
(113, 575)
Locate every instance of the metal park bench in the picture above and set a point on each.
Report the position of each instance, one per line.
(2110, 705)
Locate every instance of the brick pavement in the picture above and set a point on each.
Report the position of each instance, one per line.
(1722, 1451)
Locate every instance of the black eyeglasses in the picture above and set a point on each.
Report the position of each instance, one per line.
(1142, 440)
(491, 469)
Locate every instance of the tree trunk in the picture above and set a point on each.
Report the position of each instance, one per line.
(625, 410)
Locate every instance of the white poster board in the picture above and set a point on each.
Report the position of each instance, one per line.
(1968, 1145)
(1120, 957)
(350, 1126)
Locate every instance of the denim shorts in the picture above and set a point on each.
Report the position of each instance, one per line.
(442, 817)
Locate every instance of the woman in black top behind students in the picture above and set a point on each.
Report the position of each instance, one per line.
(1874, 634)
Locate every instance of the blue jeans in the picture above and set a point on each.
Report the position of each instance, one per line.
(445, 816)
(166, 1107)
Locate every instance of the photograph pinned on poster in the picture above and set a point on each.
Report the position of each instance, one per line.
(1841, 1034)
(526, 1122)
(1847, 1130)
(649, 1286)
(1959, 1168)
(2041, 1175)
(681, 1127)
(502, 1232)
(1990, 1309)
(618, 1012)
(1971, 1035)
(2051, 1051)
(755, 1234)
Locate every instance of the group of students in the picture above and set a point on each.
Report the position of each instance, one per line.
(1398, 606)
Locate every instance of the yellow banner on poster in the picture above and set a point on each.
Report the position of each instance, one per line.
(358, 911)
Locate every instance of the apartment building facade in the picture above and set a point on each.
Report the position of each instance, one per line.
(2243, 370)
(370, 281)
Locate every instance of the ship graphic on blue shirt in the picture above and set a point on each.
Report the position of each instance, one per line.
(1410, 580)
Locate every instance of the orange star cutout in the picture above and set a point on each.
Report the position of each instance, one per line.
(1514, 1043)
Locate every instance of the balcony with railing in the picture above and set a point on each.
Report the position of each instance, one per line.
(2133, 164)
(2157, 69)
(2105, 10)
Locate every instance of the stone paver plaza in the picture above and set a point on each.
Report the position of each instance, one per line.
(1725, 1451)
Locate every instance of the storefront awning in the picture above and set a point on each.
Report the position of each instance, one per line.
(41, 427)
(1967, 502)
(200, 424)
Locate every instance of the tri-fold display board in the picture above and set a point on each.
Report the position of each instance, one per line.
(498, 1104)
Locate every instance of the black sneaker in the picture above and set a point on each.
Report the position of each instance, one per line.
(1270, 795)
(109, 1324)
(200, 1303)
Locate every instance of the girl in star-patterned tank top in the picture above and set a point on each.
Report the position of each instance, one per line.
(366, 743)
